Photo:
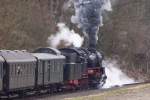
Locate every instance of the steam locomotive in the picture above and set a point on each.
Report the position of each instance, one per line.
(49, 69)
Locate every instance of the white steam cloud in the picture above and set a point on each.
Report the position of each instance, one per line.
(115, 77)
(107, 5)
(65, 34)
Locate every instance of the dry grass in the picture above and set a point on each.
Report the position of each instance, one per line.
(115, 92)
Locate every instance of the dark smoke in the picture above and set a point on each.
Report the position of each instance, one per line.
(88, 17)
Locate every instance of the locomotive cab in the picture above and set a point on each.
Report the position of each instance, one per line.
(75, 67)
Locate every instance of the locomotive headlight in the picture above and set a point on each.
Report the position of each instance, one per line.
(90, 71)
(92, 56)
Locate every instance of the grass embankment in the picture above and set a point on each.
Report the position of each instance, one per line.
(113, 92)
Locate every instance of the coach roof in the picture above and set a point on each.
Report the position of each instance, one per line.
(17, 56)
(48, 50)
(47, 56)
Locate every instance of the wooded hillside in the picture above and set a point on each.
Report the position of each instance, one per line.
(126, 35)
(26, 24)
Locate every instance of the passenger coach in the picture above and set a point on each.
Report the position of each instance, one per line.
(49, 69)
(18, 71)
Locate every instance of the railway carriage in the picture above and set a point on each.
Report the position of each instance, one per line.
(50, 68)
(19, 71)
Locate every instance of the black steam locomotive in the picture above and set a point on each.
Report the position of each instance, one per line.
(49, 69)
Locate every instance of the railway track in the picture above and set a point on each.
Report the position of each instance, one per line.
(66, 94)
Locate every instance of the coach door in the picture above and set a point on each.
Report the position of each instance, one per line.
(21, 75)
(47, 72)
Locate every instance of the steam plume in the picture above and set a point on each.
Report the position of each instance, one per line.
(69, 37)
(88, 17)
(115, 77)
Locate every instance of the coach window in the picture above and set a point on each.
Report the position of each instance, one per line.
(54, 66)
(0, 70)
(30, 70)
(18, 69)
(48, 65)
(45, 67)
(21, 69)
(58, 66)
(27, 69)
(15, 67)
(51, 65)
(40, 67)
(33, 67)
(24, 68)
(30, 67)
(11, 69)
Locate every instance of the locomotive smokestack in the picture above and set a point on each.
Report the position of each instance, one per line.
(88, 17)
